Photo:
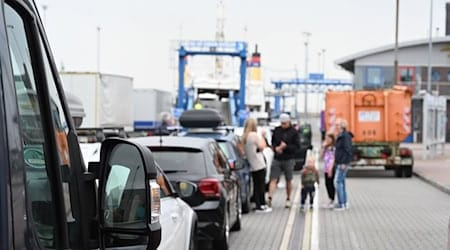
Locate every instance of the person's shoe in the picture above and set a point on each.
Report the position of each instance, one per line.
(288, 204)
(267, 209)
(331, 205)
(339, 207)
(347, 205)
(269, 202)
(311, 206)
(302, 207)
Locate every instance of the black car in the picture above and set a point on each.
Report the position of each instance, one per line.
(205, 124)
(201, 161)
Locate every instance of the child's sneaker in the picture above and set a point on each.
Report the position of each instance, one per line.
(288, 204)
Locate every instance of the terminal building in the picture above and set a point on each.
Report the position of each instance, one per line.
(374, 69)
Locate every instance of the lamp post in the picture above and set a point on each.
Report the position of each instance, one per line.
(98, 48)
(44, 8)
(430, 48)
(396, 45)
(323, 63)
(306, 35)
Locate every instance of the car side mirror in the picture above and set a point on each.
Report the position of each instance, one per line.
(186, 189)
(128, 196)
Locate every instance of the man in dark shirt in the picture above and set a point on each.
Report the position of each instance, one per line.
(285, 142)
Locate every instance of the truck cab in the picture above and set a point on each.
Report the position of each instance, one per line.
(48, 197)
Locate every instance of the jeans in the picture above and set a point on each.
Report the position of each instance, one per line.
(259, 187)
(308, 191)
(340, 184)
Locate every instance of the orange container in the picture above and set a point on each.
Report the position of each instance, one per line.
(372, 115)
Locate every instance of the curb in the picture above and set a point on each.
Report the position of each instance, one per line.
(433, 183)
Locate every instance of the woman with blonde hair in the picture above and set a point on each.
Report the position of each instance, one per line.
(254, 144)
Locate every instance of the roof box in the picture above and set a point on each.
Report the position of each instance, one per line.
(201, 118)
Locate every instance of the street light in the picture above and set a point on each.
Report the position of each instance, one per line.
(44, 8)
(98, 48)
(430, 48)
(323, 59)
(306, 35)
(396, 45)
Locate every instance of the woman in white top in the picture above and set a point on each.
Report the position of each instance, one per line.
(253, 147)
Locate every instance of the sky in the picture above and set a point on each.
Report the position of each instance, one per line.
(135, 35)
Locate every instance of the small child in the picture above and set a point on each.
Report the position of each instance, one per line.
(310, 176)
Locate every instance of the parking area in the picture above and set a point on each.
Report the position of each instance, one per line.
(386, 213)
(281, 228)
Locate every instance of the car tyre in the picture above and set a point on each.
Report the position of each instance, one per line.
(246, 206)
(223, 241)
(408, 170)
(398, 172)
(193, 244)
(237, 223)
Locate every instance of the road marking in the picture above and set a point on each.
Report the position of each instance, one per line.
(314, 245)
(307, 231)
(291, 220)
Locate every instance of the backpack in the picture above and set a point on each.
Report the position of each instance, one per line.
(308, 178)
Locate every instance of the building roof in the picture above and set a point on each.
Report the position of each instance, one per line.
(348, 62)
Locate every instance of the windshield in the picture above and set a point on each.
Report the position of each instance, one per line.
(180, 161)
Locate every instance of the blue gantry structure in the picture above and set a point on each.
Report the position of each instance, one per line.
(315, 83)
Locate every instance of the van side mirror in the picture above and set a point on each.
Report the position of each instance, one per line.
(128, 196)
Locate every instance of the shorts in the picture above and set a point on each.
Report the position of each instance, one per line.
(282, 166)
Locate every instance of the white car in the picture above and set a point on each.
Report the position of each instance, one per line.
(178, 220)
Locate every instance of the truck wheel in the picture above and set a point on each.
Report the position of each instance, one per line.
(398, 171)
(408, 171)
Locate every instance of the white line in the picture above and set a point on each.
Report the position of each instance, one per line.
(314, 244)
(291, 220)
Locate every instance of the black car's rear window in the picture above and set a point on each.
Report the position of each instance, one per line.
(180, 160)
(228, 150)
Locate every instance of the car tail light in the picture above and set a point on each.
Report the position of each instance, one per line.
(155, 204)
(209, 187)
(405, 152)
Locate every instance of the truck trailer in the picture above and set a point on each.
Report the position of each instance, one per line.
(107, 99)
(379, 121)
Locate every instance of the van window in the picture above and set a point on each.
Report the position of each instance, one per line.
(38, 190)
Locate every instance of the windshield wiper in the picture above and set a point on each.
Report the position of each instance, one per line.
(174, 171)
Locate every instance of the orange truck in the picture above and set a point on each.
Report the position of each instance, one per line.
(379, 121)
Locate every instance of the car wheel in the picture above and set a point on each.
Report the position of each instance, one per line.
(408, 170)
(237, 223)
(398, 171)
(222, 242)
(193, 240)
(246, 204)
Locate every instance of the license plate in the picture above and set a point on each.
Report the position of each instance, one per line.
(406, 162)
(379, 162)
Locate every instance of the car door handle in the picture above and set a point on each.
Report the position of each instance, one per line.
(175, 216)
